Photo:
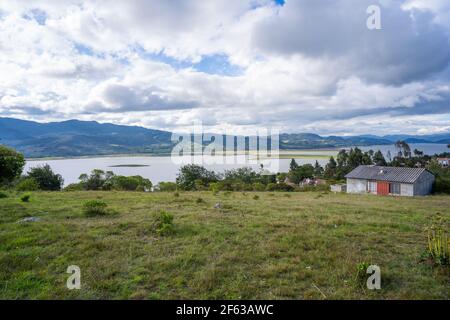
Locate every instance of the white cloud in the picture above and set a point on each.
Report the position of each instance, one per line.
(306, 66)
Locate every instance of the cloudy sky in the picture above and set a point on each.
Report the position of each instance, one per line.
(296, 65)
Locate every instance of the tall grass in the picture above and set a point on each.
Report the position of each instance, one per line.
(438, 241)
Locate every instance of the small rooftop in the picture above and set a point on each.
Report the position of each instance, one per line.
(394, 174)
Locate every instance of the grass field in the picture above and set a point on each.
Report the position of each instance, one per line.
(277, 246)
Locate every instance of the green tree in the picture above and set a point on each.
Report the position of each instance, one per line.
(191, 173)
(355, 158)
(330, 168)
(318, 170)
(293, 165)
(366, 159)
(46, 178)
(379, 159)
(342, 158)
(302, 172)
(97, 180)
(245, 174)
(11, 164)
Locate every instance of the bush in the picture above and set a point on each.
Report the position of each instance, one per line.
(74, 187)
(258, 186)
(95, 208)
(11, 164)
(46, 178)
(279, 187)
(25, 198)
(442, 185)
(27, 184)
(320, 187)
(134, 183)
(166, 187)
(361, 271)
(255, 197)
(164, 224)
(214, 187)
(3, 195)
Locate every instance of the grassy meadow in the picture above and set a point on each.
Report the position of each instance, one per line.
(255, 246)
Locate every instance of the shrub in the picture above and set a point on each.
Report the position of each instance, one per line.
(438, 241)
(361, 271)
(11, 164)
(25, 198)
(279, 187)
(166, 187)
(134, 183)
(46, 178)
(255, 197)
(27, 184)
(214, 187)
(164, 224)
(3, 195)
(94, 208)
(442, 185)
(258, 186)
(176, 194)
(320, 187)
(74, 187)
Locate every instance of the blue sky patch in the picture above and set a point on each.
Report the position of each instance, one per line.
(212, 64)
(38, 15)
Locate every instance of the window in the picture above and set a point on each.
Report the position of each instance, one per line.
(372, 186)
(394, 188)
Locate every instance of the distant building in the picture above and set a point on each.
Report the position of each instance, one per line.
(341, 187)
(311, 182)
(445, 162)
(398, 181)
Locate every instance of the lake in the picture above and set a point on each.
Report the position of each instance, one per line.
(164, 169)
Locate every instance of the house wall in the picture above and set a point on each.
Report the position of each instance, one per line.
(356, 185)
(407, 189)
(424, 184)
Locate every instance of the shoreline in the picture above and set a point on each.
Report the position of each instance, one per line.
(286, 152)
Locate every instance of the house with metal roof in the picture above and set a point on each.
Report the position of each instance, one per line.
(390, 181)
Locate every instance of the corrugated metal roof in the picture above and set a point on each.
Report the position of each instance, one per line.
(394, 174)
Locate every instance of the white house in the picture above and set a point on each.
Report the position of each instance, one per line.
(445, 162)
(390, 181)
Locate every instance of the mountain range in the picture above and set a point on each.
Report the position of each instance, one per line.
(74, 138)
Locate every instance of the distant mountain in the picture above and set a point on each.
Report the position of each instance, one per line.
(432, 138)
(83, 138)
(80, 138)
(309, 140)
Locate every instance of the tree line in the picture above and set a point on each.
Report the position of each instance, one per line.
(197, 178)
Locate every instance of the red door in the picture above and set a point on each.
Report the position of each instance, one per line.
(382, 188)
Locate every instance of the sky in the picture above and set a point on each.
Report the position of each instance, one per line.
(297, 66)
